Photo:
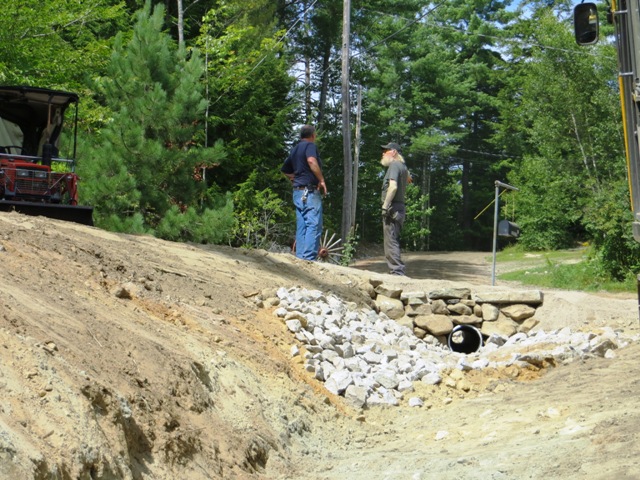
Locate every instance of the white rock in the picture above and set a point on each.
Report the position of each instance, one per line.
(387, 379)
(356, 395)
(338, 382)
(432, 378)
(405, 386)
(293, 325)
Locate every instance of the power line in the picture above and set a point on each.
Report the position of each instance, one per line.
(398, 31)
(268, 53)
(505, 40)
(487, 154)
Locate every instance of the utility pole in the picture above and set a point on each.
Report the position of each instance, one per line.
(356, 156)
(307, 69)
(347, 220)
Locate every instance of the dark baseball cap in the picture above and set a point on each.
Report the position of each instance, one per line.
(392, 146)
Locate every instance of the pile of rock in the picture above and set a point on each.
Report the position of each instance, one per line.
(372, 359)
(436, 313)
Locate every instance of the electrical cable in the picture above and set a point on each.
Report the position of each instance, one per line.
(267, 54)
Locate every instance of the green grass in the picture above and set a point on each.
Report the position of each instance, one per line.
(566, 269)
(573, 255)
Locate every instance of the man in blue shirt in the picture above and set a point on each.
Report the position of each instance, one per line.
(304, 168)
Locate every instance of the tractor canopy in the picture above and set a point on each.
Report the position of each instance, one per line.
(35, 178)
(32, 117)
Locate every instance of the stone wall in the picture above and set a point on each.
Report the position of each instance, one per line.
(436, 313)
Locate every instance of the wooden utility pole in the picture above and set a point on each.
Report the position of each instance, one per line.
(356, 157)
(347, 219)
(307, 70)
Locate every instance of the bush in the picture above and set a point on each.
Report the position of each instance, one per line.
(208, 226)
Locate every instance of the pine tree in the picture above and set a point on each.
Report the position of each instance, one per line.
(148, 153)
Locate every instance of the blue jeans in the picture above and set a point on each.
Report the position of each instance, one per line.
(308, 224)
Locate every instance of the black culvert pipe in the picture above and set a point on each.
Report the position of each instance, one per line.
(465, 339)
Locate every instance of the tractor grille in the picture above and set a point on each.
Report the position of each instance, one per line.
(31, 182)
(36, 182)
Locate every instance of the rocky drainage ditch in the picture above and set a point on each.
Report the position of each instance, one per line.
(374, 356)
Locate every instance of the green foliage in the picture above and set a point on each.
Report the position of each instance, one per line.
(474, 92)
(249, 84)
(349, 248)
(586, 275)
(415, 229)
(579, 268)
(608, 221)
(260, 215)
(55, 43)
(546, 204)
(198, 226)
(432, 86)
(115, 223)
(146, 159)
(561, 111)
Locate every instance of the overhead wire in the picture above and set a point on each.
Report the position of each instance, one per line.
(276, 44)
(404, 27)
(513, 40)
(390, 36)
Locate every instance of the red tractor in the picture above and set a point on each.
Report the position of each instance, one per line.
(34, 178)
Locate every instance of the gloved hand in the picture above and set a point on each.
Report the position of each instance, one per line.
(385, 213)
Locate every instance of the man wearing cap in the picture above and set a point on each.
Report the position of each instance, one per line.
(394, 186)
(304, 168)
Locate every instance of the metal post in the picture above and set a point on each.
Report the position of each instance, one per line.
(638, 285)
(499, 184)
(495, 235)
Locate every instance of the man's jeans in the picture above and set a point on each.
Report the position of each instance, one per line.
(308, 223)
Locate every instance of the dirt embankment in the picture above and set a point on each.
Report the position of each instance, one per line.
(130, 357)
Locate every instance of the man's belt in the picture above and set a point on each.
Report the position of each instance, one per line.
(308, 187)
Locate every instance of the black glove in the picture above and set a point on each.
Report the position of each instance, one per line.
(385, 213)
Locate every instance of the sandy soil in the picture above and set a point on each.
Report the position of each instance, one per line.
(130, 357)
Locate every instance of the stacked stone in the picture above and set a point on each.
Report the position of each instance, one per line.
(365, 356)
(371, 359)
(436, 313)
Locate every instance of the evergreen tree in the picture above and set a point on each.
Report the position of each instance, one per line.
(248, 86)
(56, 43)
(431, 76)
(145, 172)
(562, 113)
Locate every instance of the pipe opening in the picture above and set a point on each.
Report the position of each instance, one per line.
(465, 339)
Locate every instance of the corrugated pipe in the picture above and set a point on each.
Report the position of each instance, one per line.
(465, 339)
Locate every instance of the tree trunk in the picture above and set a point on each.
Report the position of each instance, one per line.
(307, 74)
(347, 220)
(307, 83)
(180, 23)
(426, 190)
(356, 157)
(326, 57)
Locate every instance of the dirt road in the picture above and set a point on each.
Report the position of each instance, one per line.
(471, 267)
(130, 357)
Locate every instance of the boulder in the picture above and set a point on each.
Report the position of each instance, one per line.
(436, 325)
(392, 307)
